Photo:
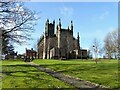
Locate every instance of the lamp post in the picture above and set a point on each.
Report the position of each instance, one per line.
(95, 50)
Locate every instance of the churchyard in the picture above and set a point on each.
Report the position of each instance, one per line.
(19, 74)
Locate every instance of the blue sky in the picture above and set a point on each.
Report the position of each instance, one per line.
(90, 19)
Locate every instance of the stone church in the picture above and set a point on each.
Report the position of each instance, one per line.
(59, 45)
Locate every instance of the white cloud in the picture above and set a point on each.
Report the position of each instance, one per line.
(104, 15)
(94, 34)
(66, 11)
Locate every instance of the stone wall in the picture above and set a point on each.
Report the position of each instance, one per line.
(66, 42)
(40, 49)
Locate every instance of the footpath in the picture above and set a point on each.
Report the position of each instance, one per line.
(76, 82)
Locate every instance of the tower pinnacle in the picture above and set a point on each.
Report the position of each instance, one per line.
(71, 23)
(78, 34)
(53, 21)
(48, 20)
(72, 26)
(59, 23)
(78, 41)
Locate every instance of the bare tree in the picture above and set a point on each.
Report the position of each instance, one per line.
(108, 46)
(114, 38)
(111, 44)
(17, 21)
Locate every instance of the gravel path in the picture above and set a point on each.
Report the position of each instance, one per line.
(76, 82)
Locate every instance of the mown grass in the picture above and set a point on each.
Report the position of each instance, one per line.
(104, 73)
(18, 74)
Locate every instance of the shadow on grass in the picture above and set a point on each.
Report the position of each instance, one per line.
(67, 67)
(25, 70)
(63, 67)
(28, 73)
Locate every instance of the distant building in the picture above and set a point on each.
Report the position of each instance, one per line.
(61, 45)
(30, 54)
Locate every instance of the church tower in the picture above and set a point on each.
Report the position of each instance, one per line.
(49, 32)
(49, 28)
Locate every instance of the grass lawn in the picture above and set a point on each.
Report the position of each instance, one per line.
(17, 74)
(104, 73)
